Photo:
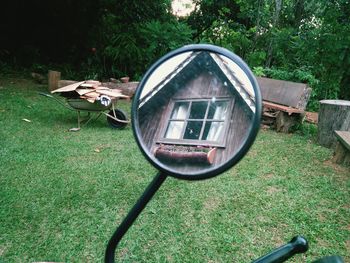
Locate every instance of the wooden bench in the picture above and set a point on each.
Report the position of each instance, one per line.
(284, 102)
(342, 150)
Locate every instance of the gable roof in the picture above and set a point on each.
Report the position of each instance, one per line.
(234, 74)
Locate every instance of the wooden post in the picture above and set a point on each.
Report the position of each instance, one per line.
(333, 115)
(341, 154)
(342, 150)
(54, 77)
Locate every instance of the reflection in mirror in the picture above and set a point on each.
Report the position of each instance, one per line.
(195, 111)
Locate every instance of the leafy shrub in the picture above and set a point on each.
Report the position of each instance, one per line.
(130, 49)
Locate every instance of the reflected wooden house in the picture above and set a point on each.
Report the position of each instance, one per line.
(199, 114)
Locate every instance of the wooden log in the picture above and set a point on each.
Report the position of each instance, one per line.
(285, 121)
(333, 115)
(197, 157)
(54, 77)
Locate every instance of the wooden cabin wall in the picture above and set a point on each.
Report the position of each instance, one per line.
(205, 85)
(150, 123)
(240, 124)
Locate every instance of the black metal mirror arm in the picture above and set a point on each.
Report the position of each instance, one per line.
(132, 215)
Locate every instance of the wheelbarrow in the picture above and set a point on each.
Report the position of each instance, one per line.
(116, 118)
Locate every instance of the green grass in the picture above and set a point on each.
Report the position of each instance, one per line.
(61, 198)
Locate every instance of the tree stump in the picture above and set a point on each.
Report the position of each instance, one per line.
(333, 115)
(54, 77)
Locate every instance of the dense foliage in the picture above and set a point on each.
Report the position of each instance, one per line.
(298, 40)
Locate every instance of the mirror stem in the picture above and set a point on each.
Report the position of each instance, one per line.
(132, 215)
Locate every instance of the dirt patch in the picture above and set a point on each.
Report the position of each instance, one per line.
(268, 176)
(212, 203)
(348, 228)
(321, 217)
(322, 243)
(277, 238)
(262, 219)
(342, 172)
(347, 245)
(2, 250)
(336, 167)
(122, 252)
(272, 190)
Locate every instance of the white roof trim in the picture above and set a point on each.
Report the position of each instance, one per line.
(238, 79)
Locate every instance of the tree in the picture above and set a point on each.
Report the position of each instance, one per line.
(133, 34)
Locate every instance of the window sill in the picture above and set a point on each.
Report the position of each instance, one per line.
(191, 143)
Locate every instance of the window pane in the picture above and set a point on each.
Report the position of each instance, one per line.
(213, 131)
(174, 130)
(217, 110)
(180, 110)
(193, 130)
(198, 109)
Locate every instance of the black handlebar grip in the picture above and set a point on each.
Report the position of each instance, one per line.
(297, 245)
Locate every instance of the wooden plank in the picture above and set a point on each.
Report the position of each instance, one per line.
(112, 93)
(84, 91)
(91, 84)
(286, 93)
(344, 138)
(92, 94)
(287, 109)
(68, 88)
(126, 88)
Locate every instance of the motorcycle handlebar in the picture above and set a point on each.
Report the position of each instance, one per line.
(297, 245)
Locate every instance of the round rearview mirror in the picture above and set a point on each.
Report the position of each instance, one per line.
(196, 112)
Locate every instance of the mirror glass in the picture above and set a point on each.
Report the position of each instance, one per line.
(195, 111)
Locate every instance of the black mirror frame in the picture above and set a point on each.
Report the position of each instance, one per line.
(251, 135)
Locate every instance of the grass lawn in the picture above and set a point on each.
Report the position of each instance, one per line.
(62, 194)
